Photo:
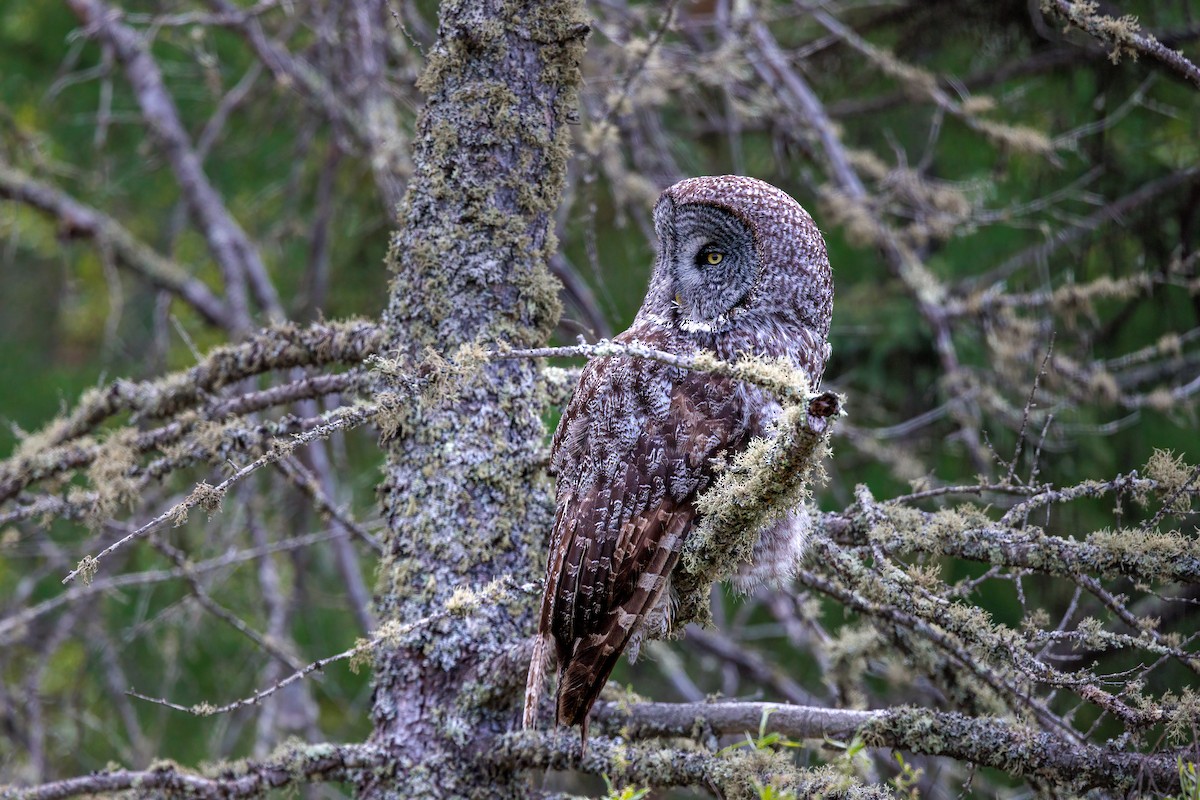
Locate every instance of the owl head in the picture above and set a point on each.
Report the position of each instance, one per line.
(735, 251)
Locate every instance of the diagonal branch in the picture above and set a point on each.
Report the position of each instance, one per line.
(209, 497)
(237, 257)
(926, 289)
(77, 219)
(1123, 34)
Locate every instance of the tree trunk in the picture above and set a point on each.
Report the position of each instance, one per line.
(464, 492)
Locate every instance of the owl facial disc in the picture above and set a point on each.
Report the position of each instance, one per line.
(710, 259)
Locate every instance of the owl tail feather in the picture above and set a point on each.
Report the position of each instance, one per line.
(580, 683)
(535, 681)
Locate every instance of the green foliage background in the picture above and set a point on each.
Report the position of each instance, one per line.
(61, 330)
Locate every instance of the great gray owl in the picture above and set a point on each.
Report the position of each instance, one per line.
(741, 270)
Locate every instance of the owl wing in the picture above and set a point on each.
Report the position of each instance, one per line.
(634, 448)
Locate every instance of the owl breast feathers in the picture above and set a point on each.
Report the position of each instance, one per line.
(741, 270)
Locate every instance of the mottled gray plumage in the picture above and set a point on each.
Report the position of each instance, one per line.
(638, 441)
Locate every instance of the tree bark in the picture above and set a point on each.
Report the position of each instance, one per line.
(464, 494)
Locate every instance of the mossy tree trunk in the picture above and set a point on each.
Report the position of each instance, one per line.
(464, 494)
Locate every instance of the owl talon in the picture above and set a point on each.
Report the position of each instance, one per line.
(824, 405)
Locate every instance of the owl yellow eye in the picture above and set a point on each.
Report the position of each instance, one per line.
(713, 258)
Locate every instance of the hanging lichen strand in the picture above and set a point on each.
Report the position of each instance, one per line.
(464, 495)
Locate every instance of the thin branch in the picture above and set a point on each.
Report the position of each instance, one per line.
(289, 69)
(210, 496)
(299, 476)
(267, 642)
(759, 671)
(925, 288)
(207, 709)
(237, 257)
(344, 555)
(614, 106)
(1111, 212)
(12, 626)
(785, 383)
(390, 634)
(653, 720)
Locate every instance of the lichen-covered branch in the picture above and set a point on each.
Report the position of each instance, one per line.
(210, 497)
(1123, 35)
(292, 765)
(988, 742)
(780, 378)
(969, 533)
(282, 347)
(739, 775)
(24, 470)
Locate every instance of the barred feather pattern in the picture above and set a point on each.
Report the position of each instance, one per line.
(640, 440)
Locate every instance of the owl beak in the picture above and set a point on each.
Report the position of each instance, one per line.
(678, 299)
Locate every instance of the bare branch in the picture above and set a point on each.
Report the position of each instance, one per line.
(390, 634)
(14, 626)
(77, 219)
(238, 258)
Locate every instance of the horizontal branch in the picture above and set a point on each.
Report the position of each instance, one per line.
(782, 380)
(733, 774)
(15, 626)
(648, 720)
(1144, 556)
(295, 764)
(990, 742)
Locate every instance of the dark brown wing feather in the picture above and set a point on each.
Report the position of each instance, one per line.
(594, 655)
(633, 450)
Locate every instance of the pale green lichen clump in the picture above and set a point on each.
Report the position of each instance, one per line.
(771, 477)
